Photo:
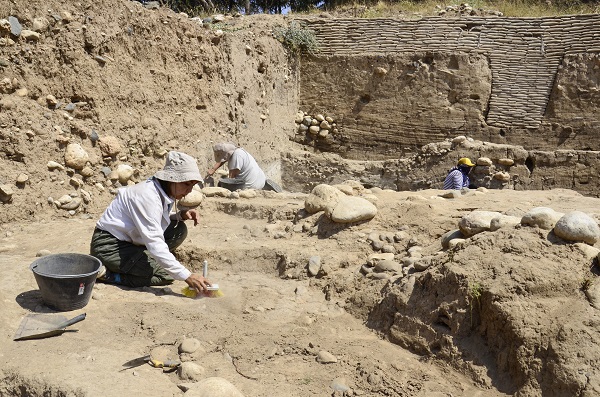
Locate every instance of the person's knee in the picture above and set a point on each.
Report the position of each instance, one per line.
(160, 280)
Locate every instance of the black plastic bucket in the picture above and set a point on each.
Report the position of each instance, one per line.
(232, 184)
(66, 280)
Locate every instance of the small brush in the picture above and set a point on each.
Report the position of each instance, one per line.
(212, 291)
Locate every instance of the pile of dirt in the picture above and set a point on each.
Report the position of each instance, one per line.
(119, 85)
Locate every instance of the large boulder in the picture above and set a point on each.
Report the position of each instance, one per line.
(192, 199)
(351, 209)
(542, 217)
(322, 196)
(577, 226)
(477, 222)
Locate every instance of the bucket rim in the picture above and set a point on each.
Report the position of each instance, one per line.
(33, 266)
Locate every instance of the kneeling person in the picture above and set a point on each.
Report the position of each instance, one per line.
(135, 235)
(244, 171)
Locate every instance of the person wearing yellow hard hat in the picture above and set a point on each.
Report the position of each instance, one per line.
(458, 177)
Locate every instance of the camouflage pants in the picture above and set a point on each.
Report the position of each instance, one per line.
(135, 266)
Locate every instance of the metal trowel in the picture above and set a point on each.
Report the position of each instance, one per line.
(39, 326)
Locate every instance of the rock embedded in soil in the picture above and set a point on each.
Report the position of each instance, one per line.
(192, 199)
(314, 265)
(577, 226)
(189, 345)
(592, 293)
(351, 209)
(324, 357)
(542, 217)
(75, 156)
(6, 193)
(388, 266)
(451, 235)
(191, 371)
(476, 222)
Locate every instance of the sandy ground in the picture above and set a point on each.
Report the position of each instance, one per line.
(263, 335)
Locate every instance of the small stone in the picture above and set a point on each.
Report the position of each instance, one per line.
(6, 193)
(51, 100)
(94, 136)
(506, 162)
(314, 265)
(75, 156)
(15, 26)
(124, 173)
(109, 146)
(324, 357)
(72, 205)
(22, 178)
(30, 35)
(86, 172)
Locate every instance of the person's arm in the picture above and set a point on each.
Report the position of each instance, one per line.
(234, 172)
(214, 169)
(466, 181)
(185, 215)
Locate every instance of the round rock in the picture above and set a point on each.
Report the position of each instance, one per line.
(577, 226)
(189, 345)
(75, 156)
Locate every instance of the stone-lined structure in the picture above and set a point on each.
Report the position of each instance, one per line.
(528, 81)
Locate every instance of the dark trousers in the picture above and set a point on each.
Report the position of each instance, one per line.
(135, 266)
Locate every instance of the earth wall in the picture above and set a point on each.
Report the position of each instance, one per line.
(395, 85)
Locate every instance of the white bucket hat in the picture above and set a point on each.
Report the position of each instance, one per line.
(179, 167)
(223, 151)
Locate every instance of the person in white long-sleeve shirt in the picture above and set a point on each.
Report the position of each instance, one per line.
(135, 235)
(244, 171)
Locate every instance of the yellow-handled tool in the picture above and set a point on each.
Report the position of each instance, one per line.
(164, 364)
(136, 362)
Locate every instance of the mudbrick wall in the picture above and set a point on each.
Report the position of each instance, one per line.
(394, 84)
(530, 85)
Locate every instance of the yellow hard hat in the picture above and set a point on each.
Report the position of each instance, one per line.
(466, 161)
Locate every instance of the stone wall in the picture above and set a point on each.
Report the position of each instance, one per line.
(500, 166)
(395, 85)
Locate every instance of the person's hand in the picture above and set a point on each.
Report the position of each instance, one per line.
(197, 282)
(190, 215)
(210, 172)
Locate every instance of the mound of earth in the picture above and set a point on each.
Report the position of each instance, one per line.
(502, 313)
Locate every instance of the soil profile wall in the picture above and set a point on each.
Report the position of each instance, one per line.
(393, 84)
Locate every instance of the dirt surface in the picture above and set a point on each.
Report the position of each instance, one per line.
(507, 312)
(265, 334)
